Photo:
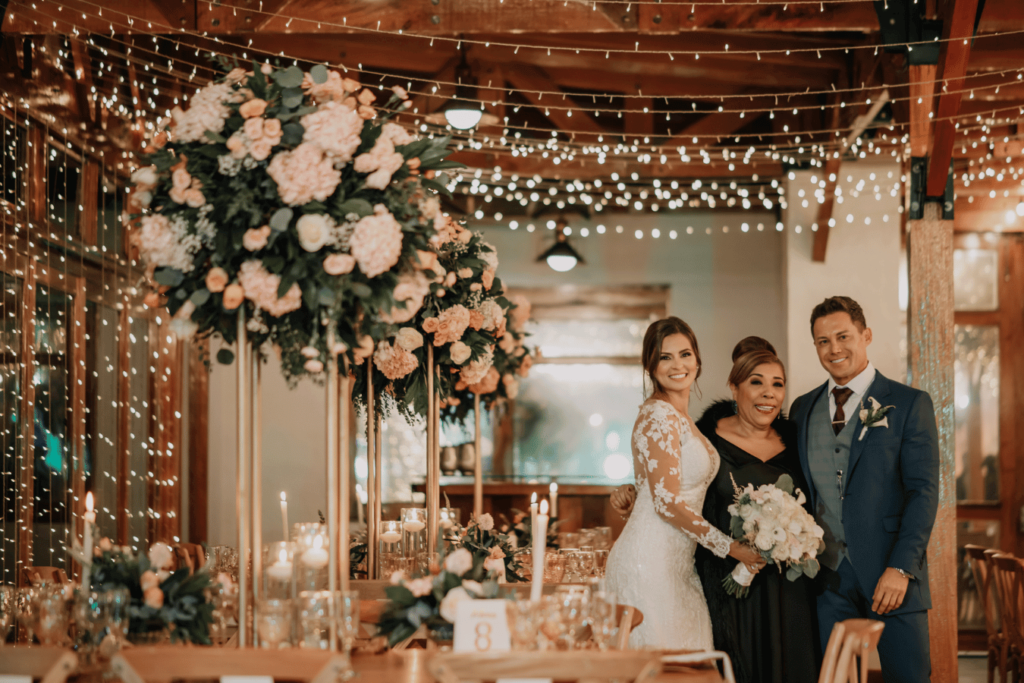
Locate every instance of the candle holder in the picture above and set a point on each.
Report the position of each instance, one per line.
(414, 537)
(390, 549)
(278, 571)
(451, 520)
(312, 547)
(274, 623)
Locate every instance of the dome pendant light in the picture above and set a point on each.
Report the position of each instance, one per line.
(561, 256)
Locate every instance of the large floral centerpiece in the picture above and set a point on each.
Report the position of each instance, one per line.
(162, 599)
(512, 360)
(287, 195)
(432, 601)
(494, 550)
(462, 318)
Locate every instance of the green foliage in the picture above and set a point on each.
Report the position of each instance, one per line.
(481, 543)
(185, 611)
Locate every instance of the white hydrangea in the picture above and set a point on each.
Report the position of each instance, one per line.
(206, 111)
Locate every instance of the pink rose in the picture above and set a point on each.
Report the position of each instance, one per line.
(451, 325)
(488, 278)
(489, 384)
(235, 143)
(460, 353)
(181, 179)
(178, 196)
(255, 239)
(194, 198)
(253, 128)
(261, 149)
(154, 597)
(253, 108)
(217, 280)
(272, 128)
(313, 365)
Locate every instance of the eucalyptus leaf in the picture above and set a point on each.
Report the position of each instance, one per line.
(360, 207)
(168, 276)
(291, 134)
(225, 356)
(200, 296)
(215, 137)
(281, 219)
(319, 74)
(289, 78)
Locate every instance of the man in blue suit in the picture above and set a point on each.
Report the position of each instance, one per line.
(874, 489)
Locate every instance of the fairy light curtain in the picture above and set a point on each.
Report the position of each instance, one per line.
(90, 386)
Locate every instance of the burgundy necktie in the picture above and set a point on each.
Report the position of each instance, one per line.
(842, 395)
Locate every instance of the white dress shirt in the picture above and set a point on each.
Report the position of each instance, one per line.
(859, 385)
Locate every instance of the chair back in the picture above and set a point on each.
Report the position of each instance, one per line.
(629, 618)
(558, 665)
(981, 569)
(707, 656)
(1009, 578)
(36, 575)
(846, 656)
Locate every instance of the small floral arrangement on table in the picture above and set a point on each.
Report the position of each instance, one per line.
(494, 550)
(286, 195)
(161, 599)
(772, 519)
(432, 600)
(521, 530)
(512, 361)
(462, 318)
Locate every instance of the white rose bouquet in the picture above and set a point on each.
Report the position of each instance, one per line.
(772, 519)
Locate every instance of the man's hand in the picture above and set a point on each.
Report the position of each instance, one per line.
(623, 499)
(890, 591)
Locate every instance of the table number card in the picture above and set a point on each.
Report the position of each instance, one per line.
(11, 678)
(481, 626)
(246, 679)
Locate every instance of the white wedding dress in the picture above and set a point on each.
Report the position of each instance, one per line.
(651, 566)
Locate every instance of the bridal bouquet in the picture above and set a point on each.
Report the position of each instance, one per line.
(772, 519)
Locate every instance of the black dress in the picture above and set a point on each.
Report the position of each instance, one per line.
(770, 635)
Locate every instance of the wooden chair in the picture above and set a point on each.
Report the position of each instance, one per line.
(164, 663)
(1009, 579)
(189, 555)
(707, 656)
(36, 575)
(981, 569)
(557, 665)
(851, 640)
(629, 618)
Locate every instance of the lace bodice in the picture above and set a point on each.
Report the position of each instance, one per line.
(677, 466)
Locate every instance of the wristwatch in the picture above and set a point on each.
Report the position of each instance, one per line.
(905, 575)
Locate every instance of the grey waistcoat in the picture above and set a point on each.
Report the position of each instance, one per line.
(828, 454)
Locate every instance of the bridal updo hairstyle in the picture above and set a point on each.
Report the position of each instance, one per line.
(653, 338)
(748, 354)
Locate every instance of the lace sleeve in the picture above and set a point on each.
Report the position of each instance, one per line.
(659, 439)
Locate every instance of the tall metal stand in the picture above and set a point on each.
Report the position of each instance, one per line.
(335, 549)
(344, 404)
(478, 476)
(432, 484)
(256, 489)
(241, 481)
(372, 529)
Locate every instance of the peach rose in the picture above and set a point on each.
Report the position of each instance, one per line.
(476, 319)
(253, 128)
(427, 259)
(217, 280)
(152, 299)
(364, 350)
(253, 108)
(235, 143)
(194, 198)
(488, 384)
(233, 296)
(148, 580)
(181, 179)
(366, 96)
(460, 352)
(272, 128)
(413, 163)
(524, 368)
(178, 196)
(260, 149)
(154, 597)
(430, 325)
(313, 365)
(465, 273)
(488, 277)
(255, 239)
(351, 85)
(339, 264)
(366, 113)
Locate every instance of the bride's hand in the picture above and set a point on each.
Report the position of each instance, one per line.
(747, 555)
(623, 499)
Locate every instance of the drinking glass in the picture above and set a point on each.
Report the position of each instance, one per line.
(52, 615)
(573, 605)
(90, 620)
(603, 618)
(586, 561)
(600, 562)
(390, 548)
(8, 609)
(414, 536)
(279, 570)
(568, 539)
(554, 568)
(348, 618)
(603, 538)
(522, 624)
(274, 623)
(572, 568)
(316, 610)
(311, 553)
(118, 602)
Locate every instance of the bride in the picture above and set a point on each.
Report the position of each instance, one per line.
(651, 566)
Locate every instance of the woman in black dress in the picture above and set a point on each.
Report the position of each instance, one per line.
(769, 634)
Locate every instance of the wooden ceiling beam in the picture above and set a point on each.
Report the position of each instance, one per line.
(716, 123)
(527, 77)
(958, 28)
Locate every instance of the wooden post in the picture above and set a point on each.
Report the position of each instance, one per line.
(76, 378)
(198, 420)
(26, 477)
(930, 340)
(124, 425)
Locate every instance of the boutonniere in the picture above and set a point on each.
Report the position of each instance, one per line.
(874, 416)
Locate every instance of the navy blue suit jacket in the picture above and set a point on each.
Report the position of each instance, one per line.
(891, 491)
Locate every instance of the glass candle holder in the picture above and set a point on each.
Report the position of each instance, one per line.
(414, 536)
(315, 612)
(312, 545)
(274, 623)
(279, 571)
(450, 521)
(390, 548)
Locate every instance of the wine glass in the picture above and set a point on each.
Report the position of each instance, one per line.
(274, 622)
(600, 562)
(585, 561)
(52, 616)
(602, 618)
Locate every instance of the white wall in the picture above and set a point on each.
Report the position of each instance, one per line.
(862, 261)
(727, 285)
